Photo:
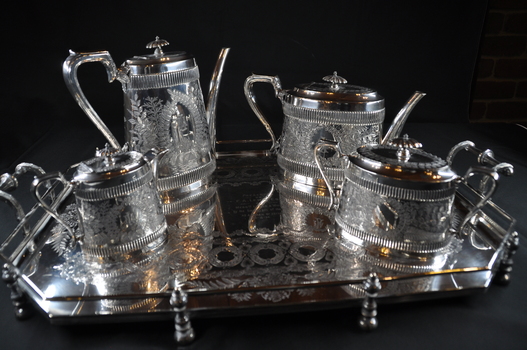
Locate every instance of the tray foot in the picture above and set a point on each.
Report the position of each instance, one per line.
(503, 276)
(21, 306)
(184, 333)
(368, 319)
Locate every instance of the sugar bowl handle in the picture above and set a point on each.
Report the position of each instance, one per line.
(491, 180)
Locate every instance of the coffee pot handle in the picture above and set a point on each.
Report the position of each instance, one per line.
(69, 71)
(251, 98)
(334, 145)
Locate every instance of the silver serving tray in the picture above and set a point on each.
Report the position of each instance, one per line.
(234, 272)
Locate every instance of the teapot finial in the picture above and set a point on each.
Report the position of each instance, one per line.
(403, 145)
(157, 44)
(335, 79)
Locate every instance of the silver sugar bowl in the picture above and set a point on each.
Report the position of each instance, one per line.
(397, 199)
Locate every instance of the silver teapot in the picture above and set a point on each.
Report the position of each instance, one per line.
(164, 109)
(118, 208)
(331, 110)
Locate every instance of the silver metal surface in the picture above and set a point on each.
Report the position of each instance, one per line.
(398, 200)
(226, 272)
(164, 109)
(117, 206)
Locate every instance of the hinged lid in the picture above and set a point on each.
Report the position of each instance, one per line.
(404, 160)
(159, 61)
(109, 163)
(334, 93)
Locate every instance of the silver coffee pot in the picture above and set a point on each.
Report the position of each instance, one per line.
(164, 109)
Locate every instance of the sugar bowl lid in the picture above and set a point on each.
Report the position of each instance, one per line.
(109, 164)
(403, 159)
(334, 93)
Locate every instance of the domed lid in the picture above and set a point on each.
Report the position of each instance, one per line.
(109, 163)
(334, 93)
(404, 160)
(159, 61)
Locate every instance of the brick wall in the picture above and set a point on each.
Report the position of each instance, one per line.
(500, 90)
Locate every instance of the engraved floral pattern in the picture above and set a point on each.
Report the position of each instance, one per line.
(176, 123)
(412, 221)
(299, 138)
(122, 219)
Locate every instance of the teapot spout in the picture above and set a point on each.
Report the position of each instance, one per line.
(213, 95)
(400, 119)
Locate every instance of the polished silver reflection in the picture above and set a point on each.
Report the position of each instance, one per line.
(163, 109)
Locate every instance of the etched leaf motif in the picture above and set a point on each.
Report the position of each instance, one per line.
(61, 240)
(299, 138)
(241, 297)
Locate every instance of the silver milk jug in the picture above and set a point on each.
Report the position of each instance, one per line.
(118, 208)
(163, 109)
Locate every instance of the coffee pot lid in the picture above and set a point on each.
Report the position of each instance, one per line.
(159, 61)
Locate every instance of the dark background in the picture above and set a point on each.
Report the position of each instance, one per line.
(395, 47)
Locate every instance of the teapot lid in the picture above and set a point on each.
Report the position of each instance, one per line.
(109, 163)
(159, 61)
(403, 159)
(336, 94)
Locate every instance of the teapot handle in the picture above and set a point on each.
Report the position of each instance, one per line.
(69, 71)
(331, 144)
(249, 95)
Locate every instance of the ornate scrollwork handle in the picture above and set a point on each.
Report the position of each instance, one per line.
(331, 144)
(485, 158)
(9, 182)
(69, 71)
(251, 98)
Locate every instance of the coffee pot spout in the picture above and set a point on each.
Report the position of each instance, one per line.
(400, 119)
(213, 95)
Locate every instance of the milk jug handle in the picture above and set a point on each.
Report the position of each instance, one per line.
(69, 71)
(251, 98)
(326, 144)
